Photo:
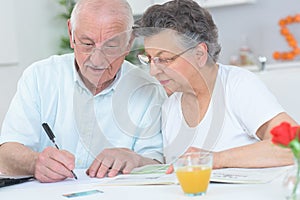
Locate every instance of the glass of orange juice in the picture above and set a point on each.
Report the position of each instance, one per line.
(193, 172)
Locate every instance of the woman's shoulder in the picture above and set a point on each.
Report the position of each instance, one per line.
(230, 74)
(232, 70)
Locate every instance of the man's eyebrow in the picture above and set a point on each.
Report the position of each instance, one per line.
(112, 39)
(84, 37)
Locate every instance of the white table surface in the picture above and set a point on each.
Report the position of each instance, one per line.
(216, 191)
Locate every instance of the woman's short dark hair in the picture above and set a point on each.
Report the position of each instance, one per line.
(187, 18)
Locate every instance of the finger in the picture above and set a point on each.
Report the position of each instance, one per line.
(128, 168)
(117, 166)
(49, 163)
(105, 167)
(45, 174)
(61, 164)
(93, 169)
(63, 157)
(49, 176)
(43, 178)
(102, 171)
(170, 170)
(192, 149)
(70, 160)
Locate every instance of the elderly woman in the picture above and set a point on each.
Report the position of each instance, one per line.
(211, 106)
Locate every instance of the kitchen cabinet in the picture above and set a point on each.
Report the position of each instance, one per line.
(218, 3)
(139, 6)
(215, 3)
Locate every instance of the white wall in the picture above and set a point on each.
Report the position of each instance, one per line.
(284, 83)
(38, 31)
(258, 23)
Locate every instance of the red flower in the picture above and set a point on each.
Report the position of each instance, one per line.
(288, 136)
(284, 134)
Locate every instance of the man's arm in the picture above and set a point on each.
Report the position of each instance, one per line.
(16, 159)
(51, 165)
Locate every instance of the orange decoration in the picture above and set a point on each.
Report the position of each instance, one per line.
(290, 39)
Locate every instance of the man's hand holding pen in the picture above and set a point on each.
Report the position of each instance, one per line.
(54, 165)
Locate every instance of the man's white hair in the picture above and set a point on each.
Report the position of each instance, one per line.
(116, 7)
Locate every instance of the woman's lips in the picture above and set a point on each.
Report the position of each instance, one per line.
(164, 82)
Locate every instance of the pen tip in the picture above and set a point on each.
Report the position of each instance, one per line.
(74, 175)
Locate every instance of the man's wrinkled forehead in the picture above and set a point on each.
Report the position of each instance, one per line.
(100, 27)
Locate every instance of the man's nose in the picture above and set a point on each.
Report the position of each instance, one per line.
(98, 58)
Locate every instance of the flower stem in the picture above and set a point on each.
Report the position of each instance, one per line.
(294, 193)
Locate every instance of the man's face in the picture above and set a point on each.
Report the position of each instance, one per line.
(100, 43)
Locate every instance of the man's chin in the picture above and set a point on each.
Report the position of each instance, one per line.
(94, 77)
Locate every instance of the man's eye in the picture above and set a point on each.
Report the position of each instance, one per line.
(88, 44)
(111, 46)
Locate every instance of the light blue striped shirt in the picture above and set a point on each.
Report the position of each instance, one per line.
(126, 114)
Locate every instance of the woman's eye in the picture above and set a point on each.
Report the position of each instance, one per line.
(163, 60)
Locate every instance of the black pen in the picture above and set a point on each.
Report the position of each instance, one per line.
(51, 137)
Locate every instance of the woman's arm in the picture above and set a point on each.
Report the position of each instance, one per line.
(260, 154)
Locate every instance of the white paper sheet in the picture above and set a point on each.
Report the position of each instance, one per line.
(246, 175)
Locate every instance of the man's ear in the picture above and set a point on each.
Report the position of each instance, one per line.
(201, 53)
(130, 43)
(70, 33)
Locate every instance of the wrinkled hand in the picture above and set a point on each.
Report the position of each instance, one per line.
(54, 165)
(112, 161)
(170, 170)
(193, 149)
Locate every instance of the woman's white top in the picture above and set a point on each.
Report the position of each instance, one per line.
(240, 104)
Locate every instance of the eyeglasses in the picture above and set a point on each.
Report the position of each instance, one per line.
(111, 47)
(146, 59)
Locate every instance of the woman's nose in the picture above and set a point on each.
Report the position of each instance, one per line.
(154, 69)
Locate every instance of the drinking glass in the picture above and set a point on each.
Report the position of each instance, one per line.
(193, 172)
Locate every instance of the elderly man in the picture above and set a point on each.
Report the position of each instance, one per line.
(104, 112)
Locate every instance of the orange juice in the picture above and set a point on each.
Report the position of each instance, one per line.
(193, 179)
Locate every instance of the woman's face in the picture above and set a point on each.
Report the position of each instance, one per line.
(176, 74)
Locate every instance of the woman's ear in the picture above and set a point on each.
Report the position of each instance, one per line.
(201, 54)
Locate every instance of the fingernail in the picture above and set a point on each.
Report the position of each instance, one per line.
(111, 174)
(91, 173)
(101, 175)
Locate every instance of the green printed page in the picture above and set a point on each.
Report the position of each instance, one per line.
(151, 169)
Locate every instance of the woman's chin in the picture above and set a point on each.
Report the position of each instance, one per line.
(168, 91)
